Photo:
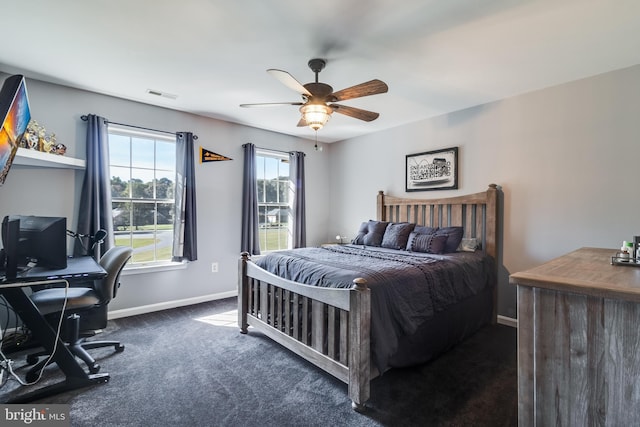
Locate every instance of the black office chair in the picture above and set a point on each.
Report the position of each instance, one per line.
(86, 311)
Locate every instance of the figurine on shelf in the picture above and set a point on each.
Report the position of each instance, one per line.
(45, 144)
(35, 137)
(59, 149)
(31, 137)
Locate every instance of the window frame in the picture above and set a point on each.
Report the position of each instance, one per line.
(282, 157)
(153, 265)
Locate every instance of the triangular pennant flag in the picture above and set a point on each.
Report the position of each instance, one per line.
(210, 156)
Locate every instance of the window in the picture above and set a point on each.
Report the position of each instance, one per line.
(142, 170)
(274, 195)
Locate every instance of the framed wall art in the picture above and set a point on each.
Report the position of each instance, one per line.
(432, 170)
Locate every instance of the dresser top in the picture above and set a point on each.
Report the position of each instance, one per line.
(587, 271)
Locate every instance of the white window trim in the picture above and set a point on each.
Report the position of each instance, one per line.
(150, 267)
(127, 131)
(133, 269)
(283, 156)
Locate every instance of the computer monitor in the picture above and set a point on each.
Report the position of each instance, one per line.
(41, 240)
(14, 118)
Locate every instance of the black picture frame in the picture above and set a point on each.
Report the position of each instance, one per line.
(432, 170)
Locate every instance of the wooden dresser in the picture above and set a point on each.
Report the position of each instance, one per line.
(579, 341)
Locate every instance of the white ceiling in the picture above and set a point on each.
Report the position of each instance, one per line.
(437, 56)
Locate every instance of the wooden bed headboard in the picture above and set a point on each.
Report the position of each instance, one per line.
(477, 213)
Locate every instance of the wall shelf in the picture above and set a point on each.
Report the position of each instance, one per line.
(34, 158)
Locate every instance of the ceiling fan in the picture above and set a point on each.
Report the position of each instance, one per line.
(319, 98)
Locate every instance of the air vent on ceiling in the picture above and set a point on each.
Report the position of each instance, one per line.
(162, 94)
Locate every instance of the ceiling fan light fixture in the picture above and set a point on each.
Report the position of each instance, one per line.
(315, 115)
(319, 98)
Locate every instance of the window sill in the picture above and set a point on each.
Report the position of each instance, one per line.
(153, 268)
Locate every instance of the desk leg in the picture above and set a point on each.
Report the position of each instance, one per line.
(67, 385)
(76, 377)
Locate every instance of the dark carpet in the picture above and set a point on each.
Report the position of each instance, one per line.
(191, 367)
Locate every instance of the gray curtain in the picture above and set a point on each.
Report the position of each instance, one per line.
(95, 201)
(296, 160)
(185, 244)
(250, 240)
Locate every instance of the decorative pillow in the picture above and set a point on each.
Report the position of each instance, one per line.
(469, 245)
(370, 233)
(428, 243)
(396, 235)
(454, 237)
(423, 229)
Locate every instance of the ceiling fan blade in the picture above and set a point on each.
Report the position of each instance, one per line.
(356, 113)
(372, 87)
(270, 104)
(289, 81)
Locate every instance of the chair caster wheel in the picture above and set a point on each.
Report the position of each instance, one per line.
(32, 359)
(119, 348)
(94, 369)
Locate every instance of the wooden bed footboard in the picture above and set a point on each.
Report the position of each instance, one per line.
(329, 327)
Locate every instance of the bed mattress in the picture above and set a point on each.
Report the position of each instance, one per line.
(407, 288)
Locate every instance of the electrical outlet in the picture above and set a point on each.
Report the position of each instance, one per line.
(214, 267)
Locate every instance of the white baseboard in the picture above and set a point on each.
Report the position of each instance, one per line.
(508, 321)
(126, 312)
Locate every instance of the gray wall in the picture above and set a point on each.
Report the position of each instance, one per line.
(219, 184)
(565, 156)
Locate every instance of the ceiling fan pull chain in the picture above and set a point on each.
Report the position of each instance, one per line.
(315, 147)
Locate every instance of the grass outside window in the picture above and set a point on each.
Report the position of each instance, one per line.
(271, 238)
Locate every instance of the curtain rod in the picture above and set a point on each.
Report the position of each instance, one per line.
(85, 118)
(271, 149)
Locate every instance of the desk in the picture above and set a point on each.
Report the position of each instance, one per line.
(578, 341)
(13, 290)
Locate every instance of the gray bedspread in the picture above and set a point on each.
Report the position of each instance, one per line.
(407, 288)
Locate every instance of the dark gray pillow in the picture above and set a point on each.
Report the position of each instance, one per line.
(420, 229)
(370, 233)
(396, 235)
(423, 229)
(454, 237)
(428, 243)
